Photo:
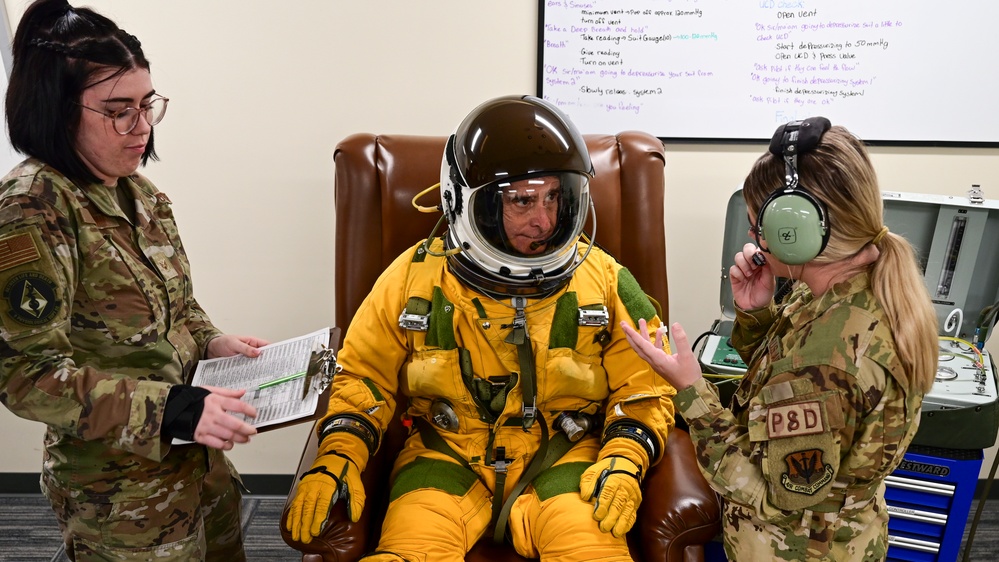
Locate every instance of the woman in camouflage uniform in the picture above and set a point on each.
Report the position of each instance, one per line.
(100, 328)
(837, 371)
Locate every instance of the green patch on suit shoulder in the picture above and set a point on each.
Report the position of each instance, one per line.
(634, 298)
(432, 473)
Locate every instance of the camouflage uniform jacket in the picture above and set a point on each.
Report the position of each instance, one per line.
(98, 321)
(822, 416)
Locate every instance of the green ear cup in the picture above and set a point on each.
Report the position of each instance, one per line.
(794, 228)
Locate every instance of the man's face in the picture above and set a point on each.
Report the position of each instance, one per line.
(530, 212)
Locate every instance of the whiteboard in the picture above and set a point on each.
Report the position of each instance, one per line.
(891, 71)
(8, 156)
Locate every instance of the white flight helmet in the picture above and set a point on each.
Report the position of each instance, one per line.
(515, 192)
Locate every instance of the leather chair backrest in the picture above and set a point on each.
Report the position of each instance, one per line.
(377, 177)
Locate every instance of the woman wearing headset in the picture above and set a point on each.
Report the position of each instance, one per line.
(837, 371)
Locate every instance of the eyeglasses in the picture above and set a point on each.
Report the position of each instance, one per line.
(125, 120)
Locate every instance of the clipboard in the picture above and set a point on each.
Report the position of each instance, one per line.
(322, 368)
(288, 384)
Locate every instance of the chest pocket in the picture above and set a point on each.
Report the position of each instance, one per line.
(573, 371)
(113, 280)
(174, 278)
(434, 374)
(164, 249)
(438, 368)
(797, 430)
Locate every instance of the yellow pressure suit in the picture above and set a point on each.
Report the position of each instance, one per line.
(464, 377)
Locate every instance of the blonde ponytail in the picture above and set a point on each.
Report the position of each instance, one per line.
(898, 285)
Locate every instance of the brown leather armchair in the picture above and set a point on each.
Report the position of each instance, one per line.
(377, 177)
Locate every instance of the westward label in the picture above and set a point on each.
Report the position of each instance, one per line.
(923, 468)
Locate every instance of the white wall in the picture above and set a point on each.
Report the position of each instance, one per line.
(262, 90)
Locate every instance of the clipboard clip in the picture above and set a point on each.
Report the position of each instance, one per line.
(322, 368)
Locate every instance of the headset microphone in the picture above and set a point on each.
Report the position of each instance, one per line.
(793, 221)
(544, 242)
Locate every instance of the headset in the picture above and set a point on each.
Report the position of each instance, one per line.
(793, 221)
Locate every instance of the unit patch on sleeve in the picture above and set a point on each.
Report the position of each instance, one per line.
(17, 250)
(30, 298)
(806, 472)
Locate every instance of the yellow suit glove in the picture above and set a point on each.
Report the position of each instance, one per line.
(335, 474)
(614, 483)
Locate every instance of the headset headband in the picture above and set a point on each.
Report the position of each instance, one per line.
(800, 232)
(797, 137)
(794, 138)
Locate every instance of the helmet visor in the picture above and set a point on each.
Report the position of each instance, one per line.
(531, 217)
(516, 137)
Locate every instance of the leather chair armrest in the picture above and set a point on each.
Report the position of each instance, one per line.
(341, 540)
(679, 509)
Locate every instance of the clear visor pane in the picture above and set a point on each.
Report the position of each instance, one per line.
(531, 217)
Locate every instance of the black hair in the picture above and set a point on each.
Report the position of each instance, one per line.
(57, 50)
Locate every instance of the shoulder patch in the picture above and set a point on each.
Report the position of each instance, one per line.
(17, 249)
(635, 301)
(793, 420)
(805, 472)
(31, 298)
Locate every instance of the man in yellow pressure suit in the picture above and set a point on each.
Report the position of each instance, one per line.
(533, 419)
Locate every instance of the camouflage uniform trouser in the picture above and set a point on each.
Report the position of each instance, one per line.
(199, 522)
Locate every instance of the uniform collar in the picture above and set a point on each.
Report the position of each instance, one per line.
(103, 196)
(803, 306)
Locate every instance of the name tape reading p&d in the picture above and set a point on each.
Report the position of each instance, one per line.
(803, 418)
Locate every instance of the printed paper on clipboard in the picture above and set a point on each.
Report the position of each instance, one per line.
(288, 383)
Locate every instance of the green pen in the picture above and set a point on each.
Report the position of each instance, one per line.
(276, 382)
